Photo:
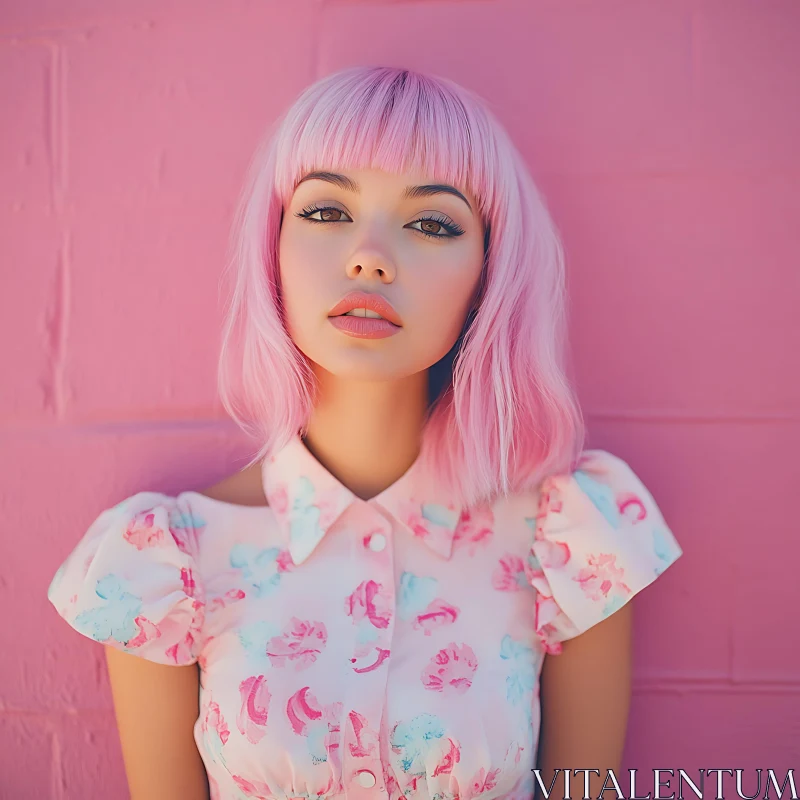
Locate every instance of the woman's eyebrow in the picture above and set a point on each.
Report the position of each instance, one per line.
(348, 184)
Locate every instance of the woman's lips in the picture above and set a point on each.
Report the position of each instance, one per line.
(364, 327)
(372, 301)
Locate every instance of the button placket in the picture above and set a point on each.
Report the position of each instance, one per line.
(362, 766)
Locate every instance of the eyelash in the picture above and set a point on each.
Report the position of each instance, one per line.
(453, 229)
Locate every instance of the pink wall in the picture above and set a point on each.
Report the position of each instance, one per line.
(664, 135)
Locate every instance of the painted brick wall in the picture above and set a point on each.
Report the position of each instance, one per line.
(664, 135)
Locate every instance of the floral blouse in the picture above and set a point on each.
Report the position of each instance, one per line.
(371, 649)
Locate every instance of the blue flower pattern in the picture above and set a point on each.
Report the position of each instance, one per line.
(258, 566)
(414, 739)
(601, 495)
(182, 519)
(521, 677)
(440, 515)
(414, 595)
(114, 619)
(304, 518)
(254, 638)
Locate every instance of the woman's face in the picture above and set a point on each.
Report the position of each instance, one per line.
(372, 238)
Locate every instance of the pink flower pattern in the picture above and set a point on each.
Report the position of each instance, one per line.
(306, 663)
(144, 532)
(299, 644)
(252, 718)
(437, 534)
(510, 574)
(213, 721)
(278, 500)
(600, 576)
(258, 790)
(369, 602)
(437, 613)
(320, 724)
(475, 530)
(448, 760)
(482, 781)
(365, 738)
(451, 669)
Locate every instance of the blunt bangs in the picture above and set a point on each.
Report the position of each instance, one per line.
(394, 121)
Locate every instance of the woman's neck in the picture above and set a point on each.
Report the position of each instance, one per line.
(367, 434)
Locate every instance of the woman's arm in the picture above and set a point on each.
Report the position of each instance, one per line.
(585, 696)
(156, 707)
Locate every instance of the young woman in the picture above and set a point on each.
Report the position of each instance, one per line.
(421, 584)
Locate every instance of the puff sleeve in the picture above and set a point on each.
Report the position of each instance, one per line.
(599, 539)
(131, 582)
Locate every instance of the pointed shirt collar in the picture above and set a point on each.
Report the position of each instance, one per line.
(307, 500)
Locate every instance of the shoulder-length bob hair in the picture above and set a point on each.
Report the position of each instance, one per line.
(505, 416)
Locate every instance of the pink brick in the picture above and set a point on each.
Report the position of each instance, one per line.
(746, 62)
(698, 284)
(51, 17)
(31, 310)
(28, 770)
(579, 88)
(91, 758)
(159, 141)
(714, 728)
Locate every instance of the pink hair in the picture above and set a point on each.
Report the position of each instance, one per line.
(507, 416)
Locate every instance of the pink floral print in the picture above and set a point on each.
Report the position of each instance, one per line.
(319, 724)
(510, 575)
(369, 602)
(601, 576)
(144, 532)
(257, 790)
(253, 715)
(299, 644)
(482, 781)
(475, 530)
(323, 657)
(365, 739)
(437, 613)
(451, 669)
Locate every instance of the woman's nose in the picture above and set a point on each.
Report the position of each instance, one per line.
(373, 262)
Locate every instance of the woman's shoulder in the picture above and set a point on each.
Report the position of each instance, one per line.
(131, 581)
(243, 488)
(136, 577)
(600, 538)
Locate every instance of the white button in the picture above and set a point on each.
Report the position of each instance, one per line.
(377, 542)
(366, 778)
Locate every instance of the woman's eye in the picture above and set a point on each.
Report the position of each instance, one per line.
(432, 227)
(327, 214)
